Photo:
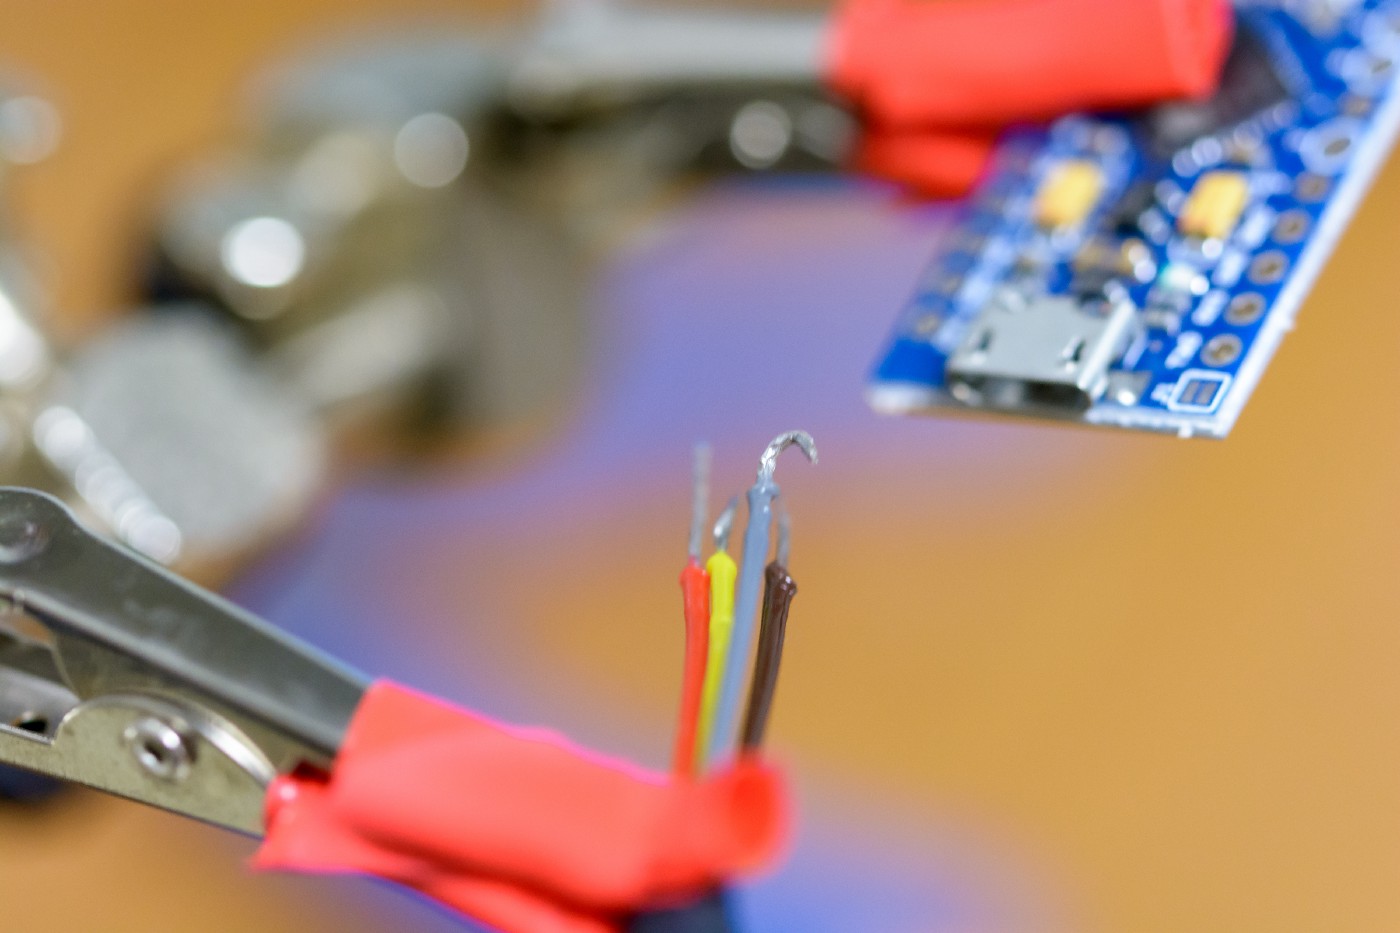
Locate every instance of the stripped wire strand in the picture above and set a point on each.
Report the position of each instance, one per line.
(699, 499)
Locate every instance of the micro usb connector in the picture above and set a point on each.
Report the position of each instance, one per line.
(1043, 353)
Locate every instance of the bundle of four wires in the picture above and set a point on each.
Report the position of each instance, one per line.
(721, 600)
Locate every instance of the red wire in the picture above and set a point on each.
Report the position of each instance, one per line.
(695, 591)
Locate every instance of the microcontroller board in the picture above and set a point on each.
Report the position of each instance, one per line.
(1139, 270)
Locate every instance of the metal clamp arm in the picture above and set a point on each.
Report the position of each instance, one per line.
(118, 674)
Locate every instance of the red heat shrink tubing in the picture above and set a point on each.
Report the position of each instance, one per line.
(936, 80)
(959, 63)
(517, 827)
(695, 594)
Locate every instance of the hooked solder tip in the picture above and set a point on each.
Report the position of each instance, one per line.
(768, 462)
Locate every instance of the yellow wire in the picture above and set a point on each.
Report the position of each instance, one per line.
(722, 571)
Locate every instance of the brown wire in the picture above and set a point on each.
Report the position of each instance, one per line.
(778, 590)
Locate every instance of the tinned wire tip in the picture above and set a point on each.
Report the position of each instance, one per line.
(768, 462)
(784, 536)
(699, 498)
(725, 524)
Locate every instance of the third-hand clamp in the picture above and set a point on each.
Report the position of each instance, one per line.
(118, 674)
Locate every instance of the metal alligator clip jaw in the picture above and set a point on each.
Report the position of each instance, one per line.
(118, 674)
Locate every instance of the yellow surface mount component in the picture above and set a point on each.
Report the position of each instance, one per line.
(722, 571)
(1068, 194)
(1215, 205)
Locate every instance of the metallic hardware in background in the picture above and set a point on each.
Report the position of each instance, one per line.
(166, 435)
(604, 54)
(413, 222)
(405, 242)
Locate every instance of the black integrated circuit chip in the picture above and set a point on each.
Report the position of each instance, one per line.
(1249, 83)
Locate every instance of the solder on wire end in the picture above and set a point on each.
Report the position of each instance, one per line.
(725, 524)
(784, 549)
(768, 462)
(700, 498)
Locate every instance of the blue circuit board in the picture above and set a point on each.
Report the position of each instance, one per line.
(1139, 270)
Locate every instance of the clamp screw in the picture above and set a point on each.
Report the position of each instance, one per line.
(159, 749)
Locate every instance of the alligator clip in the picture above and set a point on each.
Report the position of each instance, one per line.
(117, 674)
